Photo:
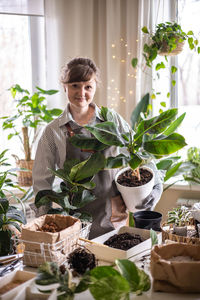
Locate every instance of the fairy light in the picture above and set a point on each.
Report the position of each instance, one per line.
(128, 75)
(121, 39)
(113, 45)
(109, 88)
(129, 53)
(112, 80)
(113, 56)
(125, 45)
(123, 60)
(130, 92)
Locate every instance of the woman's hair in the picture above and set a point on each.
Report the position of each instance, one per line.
(79, 69)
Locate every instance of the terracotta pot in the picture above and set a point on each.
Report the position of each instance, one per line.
(134, 196)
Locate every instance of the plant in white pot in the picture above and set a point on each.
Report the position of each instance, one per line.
(153, 138)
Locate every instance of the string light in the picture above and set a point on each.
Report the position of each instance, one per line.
(129, 53)
(113, 45)
(130, 92)
(113, 56)
(123, 60)
(112, 80)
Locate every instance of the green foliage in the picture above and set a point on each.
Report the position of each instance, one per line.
(154, 237)
(76, 186)
(9, 216)
(182, 170)
(153, 137)
(7, 182)
(179, 216)
(30, 112)
(103, 282)
(165, 38)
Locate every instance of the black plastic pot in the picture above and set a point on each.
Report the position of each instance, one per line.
(147, 219)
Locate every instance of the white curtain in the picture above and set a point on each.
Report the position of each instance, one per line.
(151, 13)
(103, 30)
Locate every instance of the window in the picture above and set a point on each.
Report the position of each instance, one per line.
(188, 96)
(20, 63)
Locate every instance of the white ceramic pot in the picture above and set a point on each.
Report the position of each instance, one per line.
(134, 196)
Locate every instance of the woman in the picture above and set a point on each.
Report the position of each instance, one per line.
(80, 78)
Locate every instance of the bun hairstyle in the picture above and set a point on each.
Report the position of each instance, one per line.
(79, 69)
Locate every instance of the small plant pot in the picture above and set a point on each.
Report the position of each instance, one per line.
(147, 219)
(134, 196)
(180, 230)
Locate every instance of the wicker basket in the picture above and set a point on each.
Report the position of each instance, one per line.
(24, 177)
(165, 50)
(168, 235)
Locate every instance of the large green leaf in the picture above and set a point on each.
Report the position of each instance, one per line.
(116, 161)
(165, 164)
(107, 133)
(166, 145)
(135, 161)
(107, 283)
(61, 174)
(47, 92)
(172, 171)
(4, 204)
(84, 142)
(129, 271)
(46, 196)
(156, 125)
(140, 108)
(92, 166)
(83, 198)
(174, 125)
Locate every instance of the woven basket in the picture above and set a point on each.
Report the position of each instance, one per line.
(167, 235)
(24, 177)
(165, 50)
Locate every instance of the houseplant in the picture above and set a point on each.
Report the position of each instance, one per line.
(167, 40)
(30, 112)
(76, 189)
(179, 170)
(10, 218)
(153, 138)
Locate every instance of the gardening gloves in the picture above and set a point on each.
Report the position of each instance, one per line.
(150, 201)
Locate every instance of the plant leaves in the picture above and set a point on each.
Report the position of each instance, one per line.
(174, 125)
(83, 142)
(107, 133)
(140, 107)
(154, 237)
(166, 145)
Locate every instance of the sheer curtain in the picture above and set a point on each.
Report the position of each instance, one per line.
(105, 31)
(151, 13)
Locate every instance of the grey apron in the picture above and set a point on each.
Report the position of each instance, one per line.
(108, 210)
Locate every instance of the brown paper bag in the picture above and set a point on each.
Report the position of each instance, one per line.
(46, 246)
(176, 276)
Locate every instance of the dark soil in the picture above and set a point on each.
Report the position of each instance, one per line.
(81, 260)
(128, 179)
(49, 227)
(123, 241)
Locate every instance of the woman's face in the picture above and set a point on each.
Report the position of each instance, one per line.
(81, 94)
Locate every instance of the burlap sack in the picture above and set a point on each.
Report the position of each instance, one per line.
(176, 276)
(46, 246)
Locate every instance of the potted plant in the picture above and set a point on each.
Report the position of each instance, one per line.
(153, 138)
(178, 170)
(30, 112)
(167, 40)
(180, 218)
(76, 190)
(10, 218)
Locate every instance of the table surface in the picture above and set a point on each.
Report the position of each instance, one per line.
(145, 255)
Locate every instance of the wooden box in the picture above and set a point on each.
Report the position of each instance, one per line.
(109, 254)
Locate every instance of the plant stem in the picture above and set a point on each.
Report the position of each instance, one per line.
(26, 145)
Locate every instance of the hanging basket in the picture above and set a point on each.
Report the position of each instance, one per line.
(24, 177)
(165, 50)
